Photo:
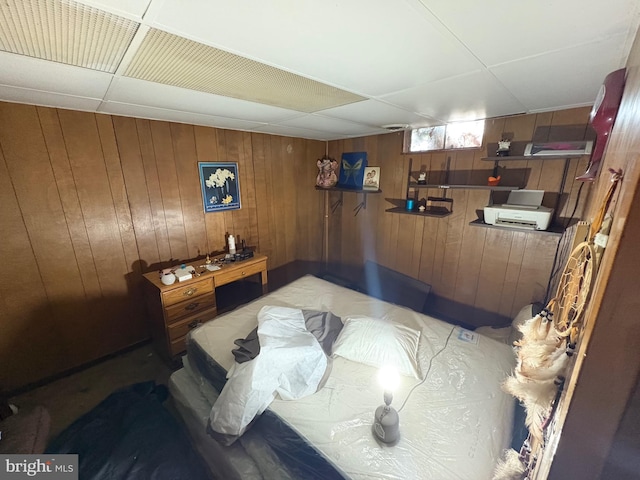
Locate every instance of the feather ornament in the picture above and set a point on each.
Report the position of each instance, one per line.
(509, 467)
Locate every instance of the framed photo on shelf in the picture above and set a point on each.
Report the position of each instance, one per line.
(220, 186)
(371, 178)
(352, 167)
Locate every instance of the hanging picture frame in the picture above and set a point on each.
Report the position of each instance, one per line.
(220, 185)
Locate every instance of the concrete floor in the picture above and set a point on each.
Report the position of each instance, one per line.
(70, 397)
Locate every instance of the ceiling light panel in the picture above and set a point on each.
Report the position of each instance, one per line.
(173, 60)
(66, 32)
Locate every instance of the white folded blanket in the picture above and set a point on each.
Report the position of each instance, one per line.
(291, 363)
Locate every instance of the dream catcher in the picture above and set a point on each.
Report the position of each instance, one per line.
(548, 342)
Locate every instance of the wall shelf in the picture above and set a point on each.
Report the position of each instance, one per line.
(352, 190)
(553, 230)
(529, 157)
(464, 187)
(429, 211)
(517, 150)
(341, 190)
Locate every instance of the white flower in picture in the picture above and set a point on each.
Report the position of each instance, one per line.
(219, 177)
(228, 199)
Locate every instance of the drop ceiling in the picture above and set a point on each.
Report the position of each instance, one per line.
(311, 69)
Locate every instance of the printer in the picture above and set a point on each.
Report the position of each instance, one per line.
(523, 210)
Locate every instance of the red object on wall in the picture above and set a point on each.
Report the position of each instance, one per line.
(603, 116)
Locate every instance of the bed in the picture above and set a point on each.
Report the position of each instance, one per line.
(455, 420)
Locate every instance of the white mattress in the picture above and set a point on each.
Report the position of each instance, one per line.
(249, 459)
(453, 426)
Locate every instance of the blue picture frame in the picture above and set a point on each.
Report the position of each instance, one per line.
(352, 167)
(220, 185)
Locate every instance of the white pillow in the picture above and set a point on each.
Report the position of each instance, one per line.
(379, 343)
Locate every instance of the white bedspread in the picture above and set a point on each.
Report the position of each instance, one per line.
(291, 363)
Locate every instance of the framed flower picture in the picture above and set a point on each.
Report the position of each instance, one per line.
(220, 186)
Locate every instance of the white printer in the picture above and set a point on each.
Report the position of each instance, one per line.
(523, 210)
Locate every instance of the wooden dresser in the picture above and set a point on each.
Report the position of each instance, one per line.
(176, 309)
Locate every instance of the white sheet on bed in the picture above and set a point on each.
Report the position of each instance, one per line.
(453, 426)
(291, 363)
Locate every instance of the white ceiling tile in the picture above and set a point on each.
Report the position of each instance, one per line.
(498, 31)
(468, 97)
(140, 111)
(562, 78)
(369, 47)
(333, 125)
(27, 72)
(293, 132)
(377, 113)
(35, 97)
(140, 92)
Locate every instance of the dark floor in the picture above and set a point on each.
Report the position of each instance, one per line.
(70, 397)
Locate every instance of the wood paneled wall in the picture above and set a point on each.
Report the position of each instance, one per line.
(494, 271)
(89, 202)
(597, 398)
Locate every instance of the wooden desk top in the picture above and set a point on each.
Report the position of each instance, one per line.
(154, 277)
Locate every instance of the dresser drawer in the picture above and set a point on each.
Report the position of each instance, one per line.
(186, 292)
(189, 307)
(238, 272)
(178, 346)
(181, 328)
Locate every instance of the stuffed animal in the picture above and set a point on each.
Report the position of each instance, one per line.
(327, 177)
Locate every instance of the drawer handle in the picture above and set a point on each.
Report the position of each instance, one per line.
(192, 306)
(242, 273)
(194, 324)
(191, 291)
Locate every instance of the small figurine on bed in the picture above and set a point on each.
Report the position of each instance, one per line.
(327, 177)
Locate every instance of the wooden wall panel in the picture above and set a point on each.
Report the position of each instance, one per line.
(485, 275)
(162, 188)
(309, 201)
(207, 151)
(262, 182)
(94, 192)
(70, 203)
(90, 202)
(188, 180)
(25, 308)
(137, 191)
(118, 191)
(471, 252)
